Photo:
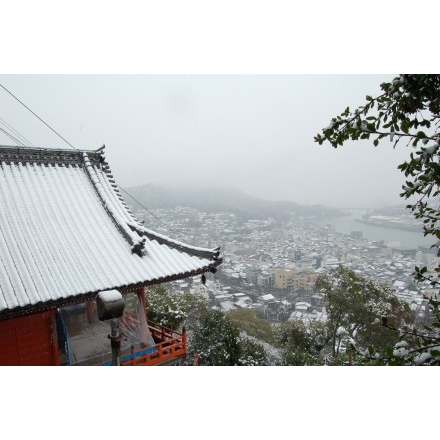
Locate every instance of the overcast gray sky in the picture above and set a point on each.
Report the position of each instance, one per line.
(250, 132)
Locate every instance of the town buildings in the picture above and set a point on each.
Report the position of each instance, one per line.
(266, 257)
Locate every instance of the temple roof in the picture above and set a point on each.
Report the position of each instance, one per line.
(67, 234)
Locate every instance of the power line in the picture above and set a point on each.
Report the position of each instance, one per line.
(157, 218)
(12, 137)
(149, 212)
(4, 123)
(1, 85)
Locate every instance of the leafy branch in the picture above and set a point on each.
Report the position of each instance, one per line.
(408, 108)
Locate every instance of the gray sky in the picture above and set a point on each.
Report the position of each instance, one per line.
(250, 132)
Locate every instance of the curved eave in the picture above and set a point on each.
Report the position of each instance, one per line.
(80, 298)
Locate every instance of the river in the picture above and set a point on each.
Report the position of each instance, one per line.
(398, 238)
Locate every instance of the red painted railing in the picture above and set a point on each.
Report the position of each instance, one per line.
(170, 345)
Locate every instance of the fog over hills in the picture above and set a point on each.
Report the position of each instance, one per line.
(216, 200)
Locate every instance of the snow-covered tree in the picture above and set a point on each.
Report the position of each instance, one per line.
(218, 342)
(253, 325)
(406, 112)
(355, 306)
(215, 339)
(302, 342)
(211, 335)
(414, 346)
(173, 310)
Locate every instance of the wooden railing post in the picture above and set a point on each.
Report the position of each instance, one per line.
(184, 339)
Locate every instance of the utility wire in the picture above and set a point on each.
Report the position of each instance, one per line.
(12, 137)
(157, 218)
(149, 212)
(4, 123)
(1, 85)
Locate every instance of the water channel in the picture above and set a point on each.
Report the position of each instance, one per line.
(397, 237)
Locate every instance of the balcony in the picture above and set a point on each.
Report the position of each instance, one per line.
(84, 340)
(169, 349)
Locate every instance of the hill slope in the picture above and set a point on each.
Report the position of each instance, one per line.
(216, 200)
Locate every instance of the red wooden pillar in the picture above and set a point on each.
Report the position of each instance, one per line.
(30, 340)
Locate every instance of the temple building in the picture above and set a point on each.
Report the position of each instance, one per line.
(67, 238)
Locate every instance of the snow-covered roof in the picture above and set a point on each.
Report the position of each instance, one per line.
(227, 306)
(244, 304)
(67, 234)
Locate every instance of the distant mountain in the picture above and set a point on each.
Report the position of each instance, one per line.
(215, 200)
